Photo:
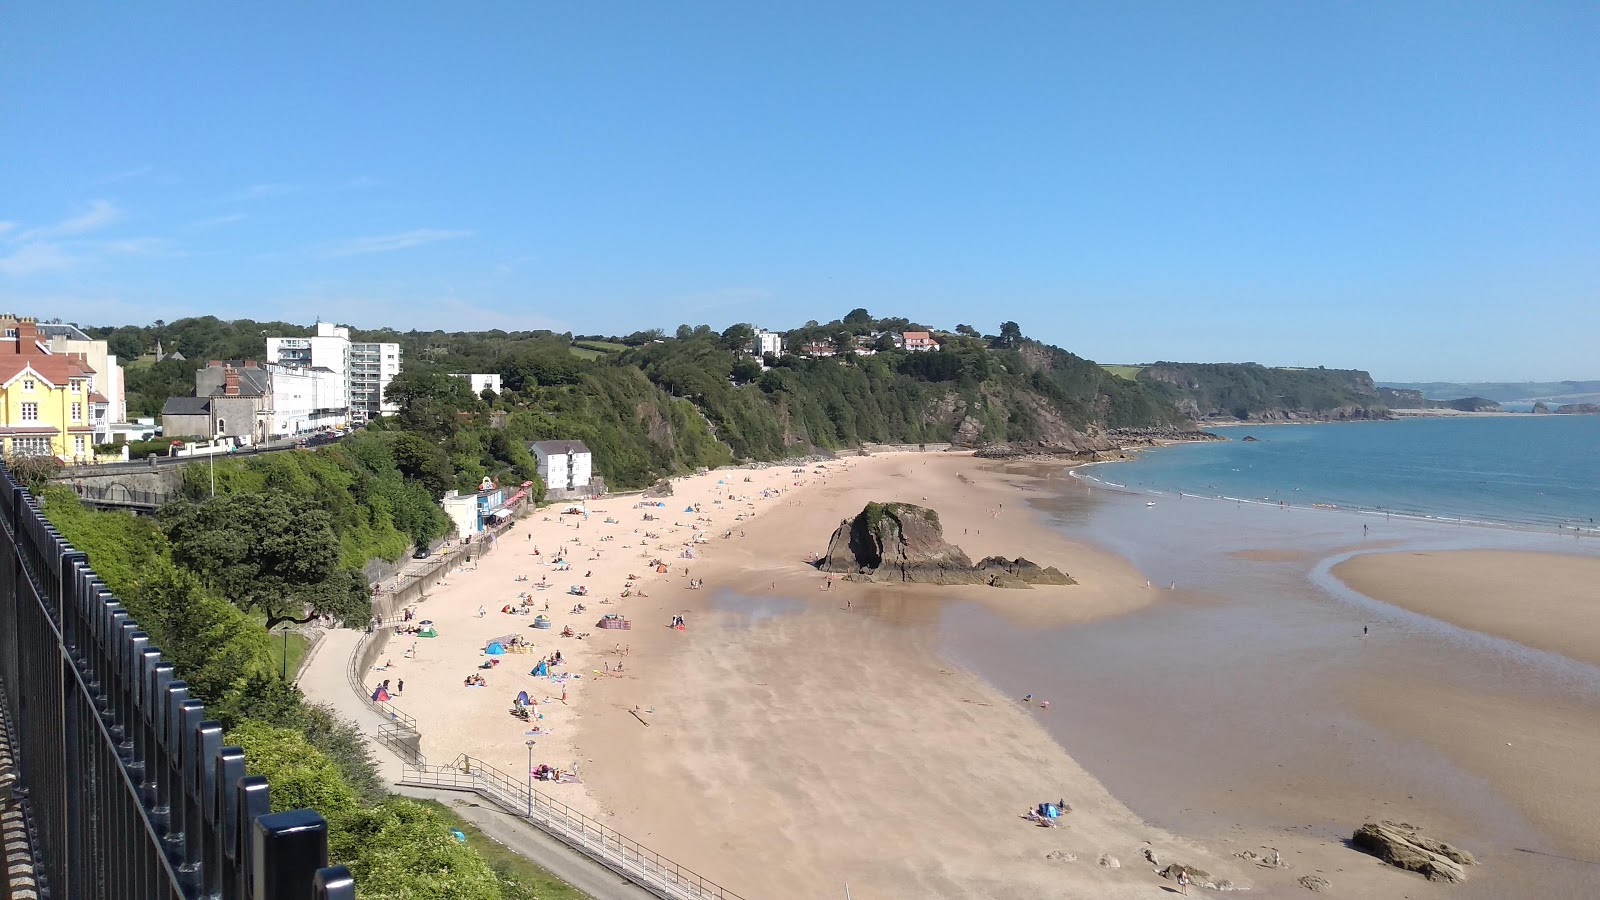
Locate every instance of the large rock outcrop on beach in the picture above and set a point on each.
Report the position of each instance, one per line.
(904, 542)
(1399, 844)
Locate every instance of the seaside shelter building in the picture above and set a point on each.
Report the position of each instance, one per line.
(48, 403)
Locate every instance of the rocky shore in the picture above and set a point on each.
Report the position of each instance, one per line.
(902, 542)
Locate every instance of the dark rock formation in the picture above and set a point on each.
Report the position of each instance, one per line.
(1399, 844)
(904, 542)
(1540, 407)
(1314, 883)
(1579, 409)
(1249, 439)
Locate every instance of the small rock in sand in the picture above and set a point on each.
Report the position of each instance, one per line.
(1061, 855)
(1107, 861)
(1314, 883)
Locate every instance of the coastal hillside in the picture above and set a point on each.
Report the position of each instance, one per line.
(1396, 398)
(1251, 392)
(1551, 392)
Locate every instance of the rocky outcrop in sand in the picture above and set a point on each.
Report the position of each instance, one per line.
(904, 542)
(1400, 844)
(1314, 883)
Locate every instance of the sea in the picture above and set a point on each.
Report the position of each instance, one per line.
(1538, 471)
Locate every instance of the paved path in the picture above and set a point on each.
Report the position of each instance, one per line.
(323, 681)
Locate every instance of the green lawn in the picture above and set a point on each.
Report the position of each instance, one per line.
(297, 652)
(520, 878)
(602, 346)
(1125, 372)
(582, 353)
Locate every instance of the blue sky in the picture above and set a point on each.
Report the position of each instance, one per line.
(1410, 188)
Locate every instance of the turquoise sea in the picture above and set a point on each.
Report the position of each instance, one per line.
(1534, 471)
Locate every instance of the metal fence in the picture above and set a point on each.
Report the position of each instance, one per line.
(121, 495)
(128, 791)
(641, 865)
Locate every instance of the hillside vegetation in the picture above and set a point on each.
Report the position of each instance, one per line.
(1253, 392)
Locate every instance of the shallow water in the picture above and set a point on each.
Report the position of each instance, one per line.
(1224, 704)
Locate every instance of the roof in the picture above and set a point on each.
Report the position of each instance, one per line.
(55, 368)
(187, 406)
(557, 448)
(915, 335)
(97, 397)
(70, 332)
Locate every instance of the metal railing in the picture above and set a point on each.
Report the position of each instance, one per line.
(641, 865)
(118, 495)
(127, 788)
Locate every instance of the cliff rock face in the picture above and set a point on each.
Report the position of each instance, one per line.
(903, 542)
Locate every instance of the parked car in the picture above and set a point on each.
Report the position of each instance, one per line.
(422, 553)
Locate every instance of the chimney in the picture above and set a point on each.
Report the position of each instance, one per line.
(230, 381)
(27, 335)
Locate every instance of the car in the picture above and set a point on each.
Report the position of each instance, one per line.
(422, 553)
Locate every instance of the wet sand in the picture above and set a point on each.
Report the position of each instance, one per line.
(1548, 601)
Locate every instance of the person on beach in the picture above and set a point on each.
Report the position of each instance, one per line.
(1363, 631)
(1183, 880)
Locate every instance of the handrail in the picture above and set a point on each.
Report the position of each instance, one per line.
(600, 842)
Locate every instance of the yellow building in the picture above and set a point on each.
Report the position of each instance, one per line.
(47, 400)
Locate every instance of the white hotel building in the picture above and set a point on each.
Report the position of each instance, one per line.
(364, 369)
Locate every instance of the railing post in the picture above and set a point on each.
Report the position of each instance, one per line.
(289, 849)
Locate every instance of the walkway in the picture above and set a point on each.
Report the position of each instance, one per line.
(323, 681)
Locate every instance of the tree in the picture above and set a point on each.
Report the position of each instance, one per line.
(738, 337)
(684, 332)
(844, 342)
(967, 330)
(1010, 336)
(858, 317)
(746, 370)
(269, 553)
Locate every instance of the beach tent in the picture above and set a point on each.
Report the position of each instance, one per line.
(523, 699)
(543, 668)
(1049, 810)
(380, 695)
(688, 509)
(494, 649)
(430, 631)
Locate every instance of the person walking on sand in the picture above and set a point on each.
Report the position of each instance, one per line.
(1183, 880)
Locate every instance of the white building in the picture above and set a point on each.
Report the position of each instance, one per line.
(480, 383)
(919, 342)
(365, 369)
(564, 465)
(766, 342)
(308, 398)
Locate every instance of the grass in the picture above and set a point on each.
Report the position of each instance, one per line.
(297, 651)
(1127, 373)
(602, 346)
(519, 876)
(583, 353)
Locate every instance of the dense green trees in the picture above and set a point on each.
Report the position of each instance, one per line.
(271, 553)
(1242, 390)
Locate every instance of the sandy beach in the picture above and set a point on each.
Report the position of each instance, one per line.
(1547, 601)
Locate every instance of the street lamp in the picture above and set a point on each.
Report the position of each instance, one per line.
(530, 779)
(285, 653)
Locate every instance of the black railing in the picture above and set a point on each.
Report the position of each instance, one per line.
(128, 790)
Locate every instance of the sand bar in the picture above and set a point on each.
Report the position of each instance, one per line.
(1547, 601)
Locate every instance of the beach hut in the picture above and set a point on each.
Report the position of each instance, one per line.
(615, 622)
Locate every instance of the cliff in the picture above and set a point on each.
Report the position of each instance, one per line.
(903, 542)
(1249, 392)
(1579, 409)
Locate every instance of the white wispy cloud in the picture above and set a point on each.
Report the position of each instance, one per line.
(99, 214)
(39, 256)
(388, 243)
(260, 192)
(215, 222)
(5, 227)
(124, 175)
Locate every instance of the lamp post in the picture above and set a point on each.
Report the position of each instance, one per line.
(285, 653)
(530, 779)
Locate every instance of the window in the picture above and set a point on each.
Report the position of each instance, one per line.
(78, 443)
(31, 446)
(75, 384)
(77, 412)
(27, 384)
(30, 411)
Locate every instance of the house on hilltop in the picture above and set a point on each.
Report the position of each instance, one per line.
(919, 342)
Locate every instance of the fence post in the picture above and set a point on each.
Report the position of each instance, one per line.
(290, 848)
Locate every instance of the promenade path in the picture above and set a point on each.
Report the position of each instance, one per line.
(323, 680)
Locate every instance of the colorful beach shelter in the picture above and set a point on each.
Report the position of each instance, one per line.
(523, 699)
(494, 649)
(688, 509)
(543, 668)
(380, 695)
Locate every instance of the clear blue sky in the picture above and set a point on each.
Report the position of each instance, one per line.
(1411, 188)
